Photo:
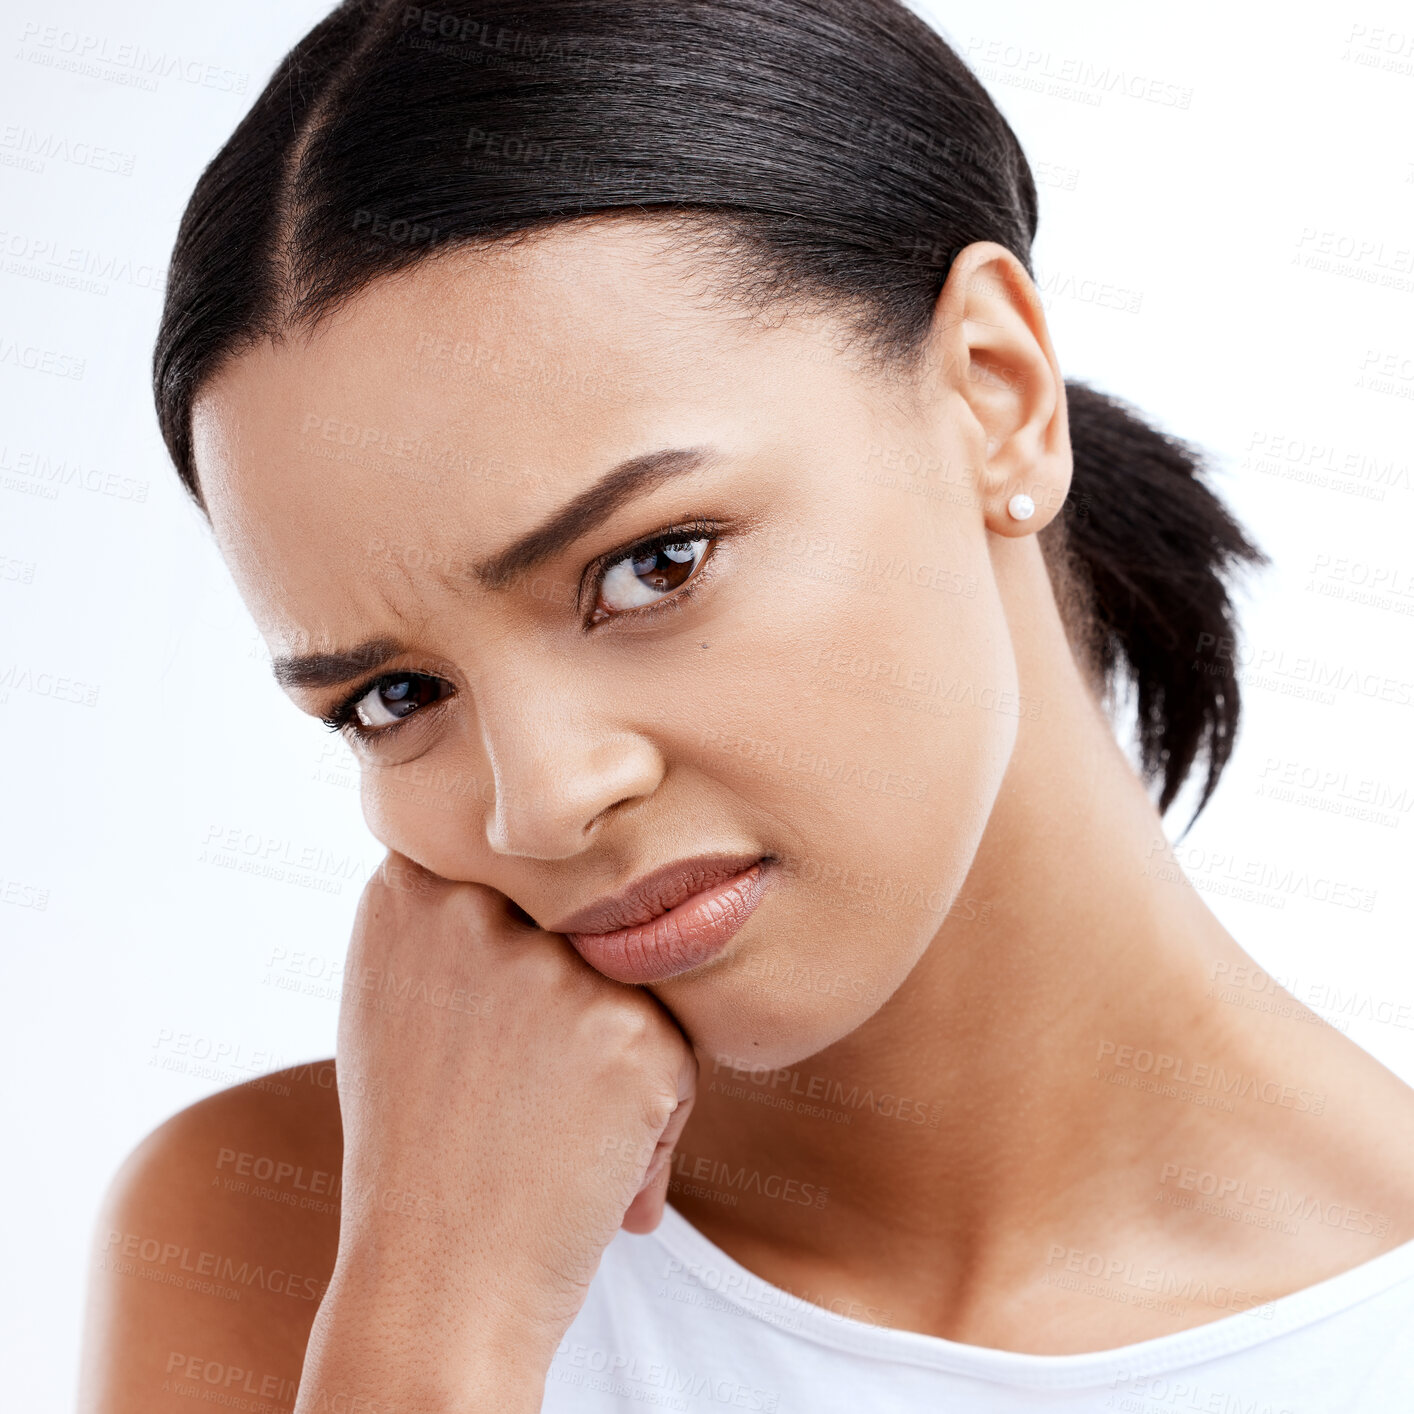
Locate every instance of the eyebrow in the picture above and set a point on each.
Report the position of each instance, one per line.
(634, 477)
(330, 669)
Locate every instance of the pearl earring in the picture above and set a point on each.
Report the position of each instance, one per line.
(1021, 506)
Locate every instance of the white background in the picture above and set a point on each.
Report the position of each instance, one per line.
(1224, 188)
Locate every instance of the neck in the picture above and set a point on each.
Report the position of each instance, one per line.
(990, 1108)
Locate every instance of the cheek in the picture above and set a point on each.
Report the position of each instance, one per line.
(874, 716)
(870, 757)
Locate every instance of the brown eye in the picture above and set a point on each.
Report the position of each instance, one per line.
(651, 574)
(392, 698)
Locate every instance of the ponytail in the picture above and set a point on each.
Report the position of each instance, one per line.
(1151, 549)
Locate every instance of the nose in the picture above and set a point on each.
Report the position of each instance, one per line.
(558, 773)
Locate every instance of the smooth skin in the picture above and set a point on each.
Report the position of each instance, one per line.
(972, 919)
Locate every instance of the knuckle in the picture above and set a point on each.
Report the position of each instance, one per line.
(542, 975)
(398, 874)
(624, 1026)
(660, 1103)
(479, 905)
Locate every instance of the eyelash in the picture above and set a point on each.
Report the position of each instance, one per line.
(674, 535)
(340, 717)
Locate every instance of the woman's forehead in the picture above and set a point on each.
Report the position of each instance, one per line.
(473, 395)
(593, 321)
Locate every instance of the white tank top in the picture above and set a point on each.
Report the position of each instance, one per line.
(672, 1322)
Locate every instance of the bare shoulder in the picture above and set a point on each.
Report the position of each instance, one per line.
(215, 1243)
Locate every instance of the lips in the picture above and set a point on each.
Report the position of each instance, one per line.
(670, 921)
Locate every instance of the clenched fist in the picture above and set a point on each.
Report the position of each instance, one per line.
(505, 1109)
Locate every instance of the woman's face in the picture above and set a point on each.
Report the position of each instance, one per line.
(816, 670)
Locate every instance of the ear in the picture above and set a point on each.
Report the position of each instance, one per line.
(990, 340)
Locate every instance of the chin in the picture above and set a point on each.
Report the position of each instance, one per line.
(776, 1007)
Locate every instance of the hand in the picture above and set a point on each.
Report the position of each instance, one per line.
(505, 1109)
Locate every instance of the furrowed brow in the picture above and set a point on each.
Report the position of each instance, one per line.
(340, 666)
(634, 477)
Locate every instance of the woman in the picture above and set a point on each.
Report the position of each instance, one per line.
(635, 429)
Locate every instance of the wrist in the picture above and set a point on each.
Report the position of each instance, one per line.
(386, 1342)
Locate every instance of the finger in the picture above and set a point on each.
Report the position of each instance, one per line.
(677, 1122)
(646, 1210)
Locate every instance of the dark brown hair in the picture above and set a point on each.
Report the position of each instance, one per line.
(843, 150)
